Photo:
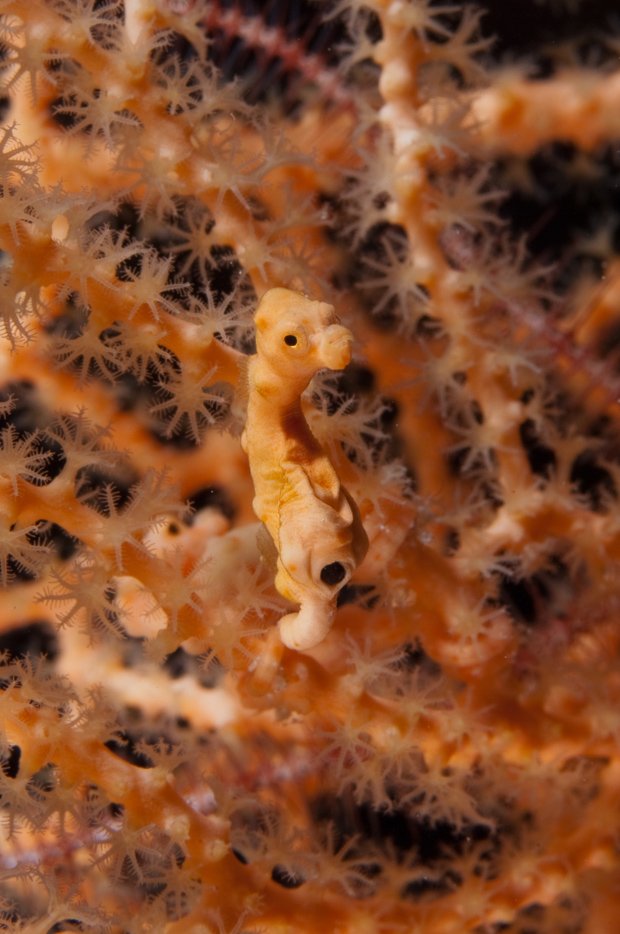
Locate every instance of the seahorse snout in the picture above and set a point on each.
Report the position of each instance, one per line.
(335, 347)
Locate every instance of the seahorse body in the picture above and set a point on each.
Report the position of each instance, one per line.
(311, 519)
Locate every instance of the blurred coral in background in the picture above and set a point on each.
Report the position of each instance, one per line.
(447, 759)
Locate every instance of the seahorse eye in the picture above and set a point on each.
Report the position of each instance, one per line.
(290, 339)
(333, 573)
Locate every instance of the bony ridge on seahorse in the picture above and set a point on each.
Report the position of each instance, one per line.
(313, 523)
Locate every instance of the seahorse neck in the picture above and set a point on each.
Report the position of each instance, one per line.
(279, 394)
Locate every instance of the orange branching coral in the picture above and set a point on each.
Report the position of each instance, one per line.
(445, 758)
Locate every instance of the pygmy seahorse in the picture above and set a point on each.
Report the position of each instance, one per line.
(312, 520)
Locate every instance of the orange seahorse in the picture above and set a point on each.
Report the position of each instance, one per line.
(312, 520)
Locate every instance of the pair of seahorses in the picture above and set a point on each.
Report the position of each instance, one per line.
(313, 526)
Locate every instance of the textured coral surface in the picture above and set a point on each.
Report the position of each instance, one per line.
(446, 759)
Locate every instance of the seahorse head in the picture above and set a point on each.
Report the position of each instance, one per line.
(296, 335)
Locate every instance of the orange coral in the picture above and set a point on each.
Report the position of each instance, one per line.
(445, 759)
